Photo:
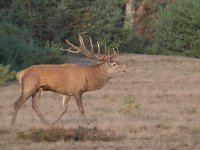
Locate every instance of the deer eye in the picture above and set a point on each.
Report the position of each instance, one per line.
(114, 64)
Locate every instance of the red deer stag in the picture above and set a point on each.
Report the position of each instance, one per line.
(67, 79)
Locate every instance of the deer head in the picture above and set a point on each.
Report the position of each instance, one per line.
(112, 68)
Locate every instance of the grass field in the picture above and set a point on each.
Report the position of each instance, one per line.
(154, 106)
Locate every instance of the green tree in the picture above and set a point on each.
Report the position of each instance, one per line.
(36, 27)
(58, 19)
(19, 50)
(5, 3)
(16, 46)
(178, 29)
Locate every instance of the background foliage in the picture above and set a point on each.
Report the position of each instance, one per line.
(178, 29)
(37, 29)
(32, 31)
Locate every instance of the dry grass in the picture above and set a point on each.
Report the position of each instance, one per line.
(154, 106)
(74, 134)
(4, 131)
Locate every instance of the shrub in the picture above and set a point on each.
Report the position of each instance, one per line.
(129, 105)
(50, 54)
(178, 29)
(5, 74)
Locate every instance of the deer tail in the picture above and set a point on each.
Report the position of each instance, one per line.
(20, 75)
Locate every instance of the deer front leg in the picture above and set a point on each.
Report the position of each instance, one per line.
(65, 102)
(35, 106)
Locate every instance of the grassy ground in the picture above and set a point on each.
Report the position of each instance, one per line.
(154, 106)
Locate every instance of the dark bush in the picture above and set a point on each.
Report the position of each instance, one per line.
(75, 134)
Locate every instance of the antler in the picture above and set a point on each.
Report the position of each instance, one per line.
(90, 53)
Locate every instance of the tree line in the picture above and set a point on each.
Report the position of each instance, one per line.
(32, 31)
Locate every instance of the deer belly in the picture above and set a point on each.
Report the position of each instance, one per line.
(66, 85)
(57, 89)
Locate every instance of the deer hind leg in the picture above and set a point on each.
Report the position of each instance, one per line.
(35, 106)
(79, 103)
(26, 93)
(65, 102)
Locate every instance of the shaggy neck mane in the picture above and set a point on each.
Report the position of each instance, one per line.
(96, 76)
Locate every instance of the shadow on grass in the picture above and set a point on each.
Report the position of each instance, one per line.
(73, 134)
(4, 131)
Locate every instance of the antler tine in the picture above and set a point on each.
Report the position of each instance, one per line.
(90, 54)
(105, 49)
(72, 46)
(114, 52)
(117, 50)
(91, 45)
(82, 44)
(98, 49)
(69, 50)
